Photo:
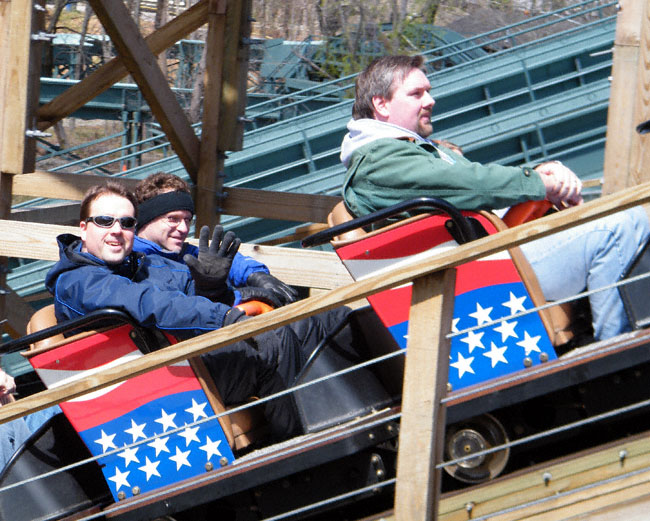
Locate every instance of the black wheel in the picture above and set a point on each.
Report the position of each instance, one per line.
(474, 436)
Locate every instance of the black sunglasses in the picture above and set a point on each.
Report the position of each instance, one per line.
(106, 221)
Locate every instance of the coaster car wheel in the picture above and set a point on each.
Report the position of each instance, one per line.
(474, 436)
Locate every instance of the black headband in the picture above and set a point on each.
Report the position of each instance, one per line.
(161, 204)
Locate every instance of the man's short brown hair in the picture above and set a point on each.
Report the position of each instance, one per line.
(380, 78)
(108, 188)
(159, 183)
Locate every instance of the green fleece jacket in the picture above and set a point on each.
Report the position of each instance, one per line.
(387, 171)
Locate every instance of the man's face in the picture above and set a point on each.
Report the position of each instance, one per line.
(411, 104)
(112, 244)
(168, 231)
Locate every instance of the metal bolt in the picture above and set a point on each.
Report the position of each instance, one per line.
(223, 461)
(527, 362)
(371, 435)
(547, 478)
(121, 495)
(135, 491)
(209, 466)
(621, 456)
(374, 459)
(543, 357)
(37, 133)
(469, 508)
(380, 473)
(449, 387)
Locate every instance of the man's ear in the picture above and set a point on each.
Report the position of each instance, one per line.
(380, 106)
(82, 230)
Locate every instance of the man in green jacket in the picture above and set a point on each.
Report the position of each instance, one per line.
(389, 159)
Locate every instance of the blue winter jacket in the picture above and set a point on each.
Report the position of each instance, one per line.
(154, 290)
(242, 266)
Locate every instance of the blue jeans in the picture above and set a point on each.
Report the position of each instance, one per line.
(15, 432)
(591, 256)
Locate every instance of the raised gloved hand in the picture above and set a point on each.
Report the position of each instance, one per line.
(261, 294)
(282, 292)
(210, 269)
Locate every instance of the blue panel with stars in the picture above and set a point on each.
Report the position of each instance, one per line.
(163, 460)
(499, 349)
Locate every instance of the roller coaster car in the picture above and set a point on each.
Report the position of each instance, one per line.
(149, 439)
(506, 378)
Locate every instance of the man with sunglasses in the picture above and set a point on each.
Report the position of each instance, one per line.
(99, 270)
(165, 212)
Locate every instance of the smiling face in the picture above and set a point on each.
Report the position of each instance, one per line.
(410, 105)
(168, 231)
(113, 244)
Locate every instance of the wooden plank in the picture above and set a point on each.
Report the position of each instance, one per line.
(249, 202)
(18, 313)
(59, 214)
(312, 269)
(235, 75)
(395, 276)
(422, 426)
(14, 80)
(624, 112)
(142, 64)
(110, 73)
(209, 181)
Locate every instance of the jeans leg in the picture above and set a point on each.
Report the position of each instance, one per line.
(591, 256)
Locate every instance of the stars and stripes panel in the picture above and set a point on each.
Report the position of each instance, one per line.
(486, 290)
(155, 412)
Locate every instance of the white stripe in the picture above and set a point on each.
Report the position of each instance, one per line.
(361, 269)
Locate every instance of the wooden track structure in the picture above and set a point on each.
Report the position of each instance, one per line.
(422, 424)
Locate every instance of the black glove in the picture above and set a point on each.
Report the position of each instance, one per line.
(284, 293)
(262, 294)
(210, 269)
(233, 315)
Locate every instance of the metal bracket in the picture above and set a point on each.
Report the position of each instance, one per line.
(43, 36)
(37, 133)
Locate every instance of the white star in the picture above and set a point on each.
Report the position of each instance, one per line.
(515, 304)
(160, 444)
(464, 365)
(473, 340)
(180, 458)
(166, 420)
(190, 435)
(507, 329)
(211, 448)
(150, 468)
(136, 431)
(197, 410)
(529, 343)
(120, 479)
(454, 325)
(106, 441)
(482, 315)
(129, 456)
(495, 354)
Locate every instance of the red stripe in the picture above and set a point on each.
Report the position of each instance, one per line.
(88, 353)
(480, 274)
(130, 395)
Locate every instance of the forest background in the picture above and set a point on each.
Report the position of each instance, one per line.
(346, 26)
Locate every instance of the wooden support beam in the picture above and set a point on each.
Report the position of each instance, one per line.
(15, 30)
(110, 73)
(422, 427)
(142, 64)
(626, 152)
(209, 180)
(264, 204)
(396, 276)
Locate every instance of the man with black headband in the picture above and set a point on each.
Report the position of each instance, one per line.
(165, 211)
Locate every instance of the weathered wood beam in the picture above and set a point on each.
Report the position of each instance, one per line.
(422, 426)
(60, 214)
(312, 269)
(626, 152)
(393, 277)
(249, 202)
(142, 64)
(209, 181)
(110, 73)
